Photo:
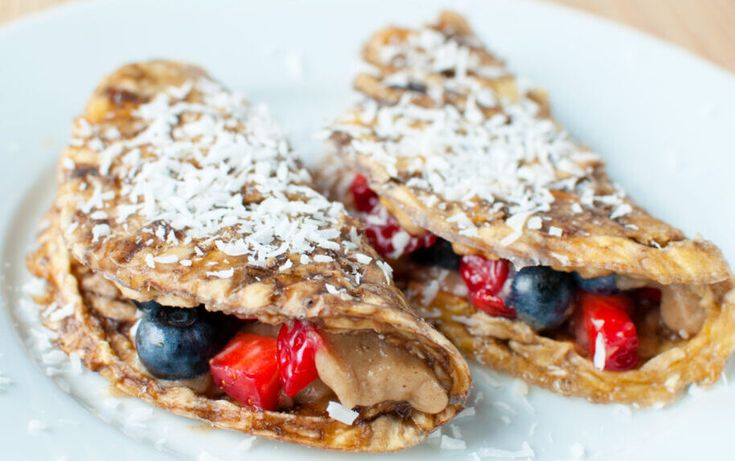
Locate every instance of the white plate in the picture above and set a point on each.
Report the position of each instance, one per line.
(663, 119)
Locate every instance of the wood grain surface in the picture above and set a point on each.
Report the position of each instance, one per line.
(706, 27)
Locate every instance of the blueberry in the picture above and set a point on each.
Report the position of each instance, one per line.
(440, 254)
(146, 306)
(599, 285)
(541, 296)
(177, 343)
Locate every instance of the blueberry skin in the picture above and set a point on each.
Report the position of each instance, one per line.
(541, 296)
(176, 343)
(598, 285)
(440, 254)
(146, 306)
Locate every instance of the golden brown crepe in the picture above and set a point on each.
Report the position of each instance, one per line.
(175, 189)
(453, 145)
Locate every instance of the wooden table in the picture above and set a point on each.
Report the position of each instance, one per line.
(706, 27)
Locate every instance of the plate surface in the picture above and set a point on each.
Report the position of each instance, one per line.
(663, 119)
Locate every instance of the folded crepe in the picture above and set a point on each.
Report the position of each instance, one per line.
(509, 234)
(183, 221)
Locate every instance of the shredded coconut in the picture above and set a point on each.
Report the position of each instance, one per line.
(36, 425)
(577, 451)
(455, 151)
(534, 223)
(363, 258)
(450, 443)
(58, 313)
(223, 274)
(5, 382)
(100, 230)
(341, 413)
(600, 355)
(166, 259)
(387, 270)
(204, 455)
(191, 172)
(246, 444)
(621, 210)
(494, 453)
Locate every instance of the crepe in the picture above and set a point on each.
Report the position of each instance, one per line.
(452, 144)
(177, 190)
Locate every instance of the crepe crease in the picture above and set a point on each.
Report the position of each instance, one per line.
(452, 144)
(115, 238)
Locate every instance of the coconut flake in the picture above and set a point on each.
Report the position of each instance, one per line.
(363, 258)
(199, 158)
(577, 451)
(600, 356)
(36, 425)
(75, 363)
(59, 313)
(450, 443)
(139, 417)
(68, 163)
(100, 230)
(246, 444)
(510, 160)
(387, 270)
(166, 259)
(534, 223)
(620, 211)
(5, 382)
(555, 231)
(468, 412)
(223, 274)
(494, 453)
(204, 455)
(150, 261)
(341, 413)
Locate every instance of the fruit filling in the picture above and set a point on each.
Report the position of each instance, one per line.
(292, 365)
(382, 229)
(599, 313)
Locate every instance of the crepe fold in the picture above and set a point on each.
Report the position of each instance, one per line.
(177, 190)
(454, 145)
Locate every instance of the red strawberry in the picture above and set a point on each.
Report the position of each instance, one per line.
(485, 278)
(365, 198)
(297, 348)
(381, 237)
(607, 324)
(478, 272)
(491, 304)
(247, 370)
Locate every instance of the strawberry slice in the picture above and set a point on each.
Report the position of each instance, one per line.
(384, 235)
(297, 348)
(383, 230)
(247, 370)
(478, 272)
(618, 301)
(485, 279)
(491, 304)
(365, 198)
(608, 325)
